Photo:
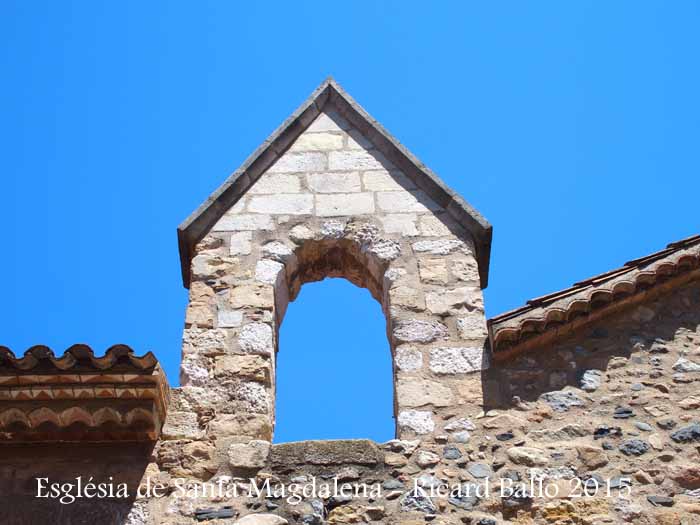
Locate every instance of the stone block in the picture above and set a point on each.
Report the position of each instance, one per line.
(407, 297)
(322, 141)
(334, 182)
(405, 202)
(433, 271)
(432, 226)
(240, 426)
(454, 301)
(333, 205)
(472, 326)
(357, 160)
(251, 455)
(182, 425)
(256, 338)
(416, 392)
(292, 162)
(456, 360)
(401, 223)
(408, 358)
(274, 183)
(330, 452)
(283, 204)
(438, 247)
(419, 331)
(383, 180)
(267, 271)
(240, 243)
(244, 221)
(229, 318)
(528, 456)
(417, 421)
(254, 367)
(252, 296)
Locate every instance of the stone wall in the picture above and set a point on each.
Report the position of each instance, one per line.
(331, 206)
(611, 407)
(611, 412)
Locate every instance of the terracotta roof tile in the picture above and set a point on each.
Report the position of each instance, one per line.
(509, 331)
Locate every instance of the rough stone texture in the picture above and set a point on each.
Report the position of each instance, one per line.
(615, 400)
(249, 455)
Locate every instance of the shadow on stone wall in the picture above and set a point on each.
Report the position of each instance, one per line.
(638, 337)
(20, 466)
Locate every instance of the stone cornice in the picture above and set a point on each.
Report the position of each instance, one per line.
(80, 397)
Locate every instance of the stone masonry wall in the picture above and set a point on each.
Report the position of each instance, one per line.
(611, 411)
(608, 417)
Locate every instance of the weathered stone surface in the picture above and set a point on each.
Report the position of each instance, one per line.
(441, 247)
(243, 366)
(432, 226)
(240, 243)
(332, 452)
(456, 360)
(230, 223)
(267, 271)
(461, 299)
(253, 397)
(292, 162)
(404, 202)
(256, 338)
(686, 365)
(383, 180)
(271, 184)
(356, 160)
(687, 434)
(182, 425)
(251, 455)
(634, 447)
(433, 271)
(418, 421)
(419, 392)
(334, 182)
(528, 456)
(425, 458)
(408, 358)
(229, 318)
(401, 223)
(418, 331)
(289, 204)
(261, 519)
(592, 457)
(337, 204)
(687, 476)
(252, 295)
(562, 401)
(472, 327)
(590, 381)
(318, 142)
(277, 251)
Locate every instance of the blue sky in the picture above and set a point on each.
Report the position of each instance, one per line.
(572, 126)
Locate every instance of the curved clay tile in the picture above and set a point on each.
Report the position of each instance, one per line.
(13, 419)
(107, 417)
(78, 354)
(44, 417)
(551, 311)
(76, 416)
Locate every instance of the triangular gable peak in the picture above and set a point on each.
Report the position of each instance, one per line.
(329, 115)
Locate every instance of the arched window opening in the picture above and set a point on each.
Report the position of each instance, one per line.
(334, 370)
